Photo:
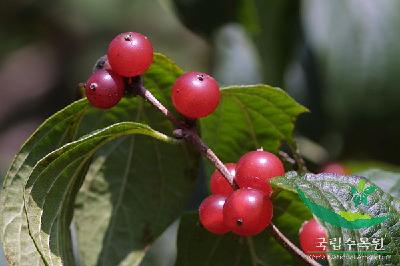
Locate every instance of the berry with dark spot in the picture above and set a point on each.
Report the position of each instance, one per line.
(195, 94)
(104, 89)
(247, 211)
(130, 54)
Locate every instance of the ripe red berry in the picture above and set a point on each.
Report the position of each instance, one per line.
(311, 234)
(211, 214)
(247, 211)
(195, 94)
(255, 168)
(219, 185)
(130, 54)
(334, 168)
(104, 89)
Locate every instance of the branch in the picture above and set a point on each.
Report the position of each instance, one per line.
(285, 242)
(188, 133)
(301, 164)
(287, 158)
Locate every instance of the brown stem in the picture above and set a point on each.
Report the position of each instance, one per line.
(142, 91)
(281, 238)
(187, 133)
(298, 158)
(286, 157)
(190, 135)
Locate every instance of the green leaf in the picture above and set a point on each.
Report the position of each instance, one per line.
(332, 194)
(53, 133)
(387, 180)
(250, 117)
(351, 216)
(361, 186)
(52, 186)
(114, 173)
(140, 185)
(198, 247)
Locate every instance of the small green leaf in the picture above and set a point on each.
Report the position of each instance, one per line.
(332, 193)
(369, 190)
(351, 216)
(361, 186)
(357, 200)
(250, 117)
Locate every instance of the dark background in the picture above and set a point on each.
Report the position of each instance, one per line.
(339, 58)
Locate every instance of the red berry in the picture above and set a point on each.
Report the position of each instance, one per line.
(311, 234)
(247, 211)
(130, 54)
(104, 89)
(195, 94)
(219, 185)
(211, 214)
(255, 168)
(334, 168)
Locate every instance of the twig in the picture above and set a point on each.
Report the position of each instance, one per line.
(142, 91)
(298, 158)
(286, 157)
(187, 133)
(281, 238)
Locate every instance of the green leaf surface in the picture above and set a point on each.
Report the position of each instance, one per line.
(130, 178)
(388, 181)
(54, 132)
(141, 186)
(197, 247)
(332, 193)
(250, 117)
(52, 186)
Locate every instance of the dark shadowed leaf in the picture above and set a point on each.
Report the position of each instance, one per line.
(198, 247)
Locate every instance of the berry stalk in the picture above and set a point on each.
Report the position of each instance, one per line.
(190, 135)
(278, 235)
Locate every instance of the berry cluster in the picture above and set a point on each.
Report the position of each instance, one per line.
(244, 207)
(130, 54)
(246, 210)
